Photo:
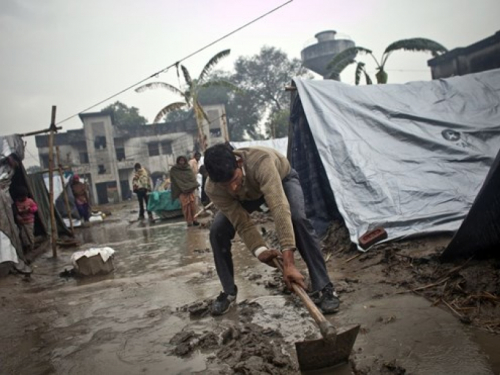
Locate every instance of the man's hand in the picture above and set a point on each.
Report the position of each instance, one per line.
(268, 256)
(290, 273)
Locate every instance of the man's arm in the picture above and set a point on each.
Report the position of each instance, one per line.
(239, 217)
(272, 187)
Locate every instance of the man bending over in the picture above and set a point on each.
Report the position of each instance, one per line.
(239, 182)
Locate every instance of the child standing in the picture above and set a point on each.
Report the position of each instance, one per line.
(26, 208)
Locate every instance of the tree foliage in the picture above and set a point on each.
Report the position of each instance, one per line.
(242, 111)
(277, 124)
(124, 115)
(179, 115)
(263, 78)
(348, 56)
(254, 94)
(191, 93)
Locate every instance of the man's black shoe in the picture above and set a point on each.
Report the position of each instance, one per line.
(329, 302)
(222, 303)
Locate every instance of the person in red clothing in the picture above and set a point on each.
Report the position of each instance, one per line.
(26, 208)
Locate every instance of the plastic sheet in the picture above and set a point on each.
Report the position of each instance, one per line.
(409, 158)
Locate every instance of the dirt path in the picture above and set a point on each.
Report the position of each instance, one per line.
(151, 315)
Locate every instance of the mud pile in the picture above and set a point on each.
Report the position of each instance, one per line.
(240, 347)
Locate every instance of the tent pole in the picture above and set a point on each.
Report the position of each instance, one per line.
(65, 195)
(53, 239)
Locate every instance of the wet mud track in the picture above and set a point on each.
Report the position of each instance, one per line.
(150, 316)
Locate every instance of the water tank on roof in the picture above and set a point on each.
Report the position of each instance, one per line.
(316, 55)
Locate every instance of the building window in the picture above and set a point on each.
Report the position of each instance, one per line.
(120, 154)
(166, 148)
(84, 157)
(216, 133)
(44, 161)
(154, 149)
(100, 142)
(101, 169)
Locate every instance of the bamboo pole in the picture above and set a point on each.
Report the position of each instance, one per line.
(65, 195)
(224, 126)
(39, 132)
(64, 168)
(53, 239)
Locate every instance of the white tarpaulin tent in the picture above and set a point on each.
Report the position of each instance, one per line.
(279, 144)
(410, 158)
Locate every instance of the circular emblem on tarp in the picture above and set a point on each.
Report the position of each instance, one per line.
(450, 135)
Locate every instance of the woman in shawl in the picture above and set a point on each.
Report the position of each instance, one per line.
(184, 184)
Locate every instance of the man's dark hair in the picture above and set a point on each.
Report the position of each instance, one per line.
(137, 166)
(179, 158)
(197, 154)
(220, 163)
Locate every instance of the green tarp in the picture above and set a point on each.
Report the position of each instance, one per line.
(162, 201)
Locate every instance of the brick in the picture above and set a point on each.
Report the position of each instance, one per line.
(371, 237)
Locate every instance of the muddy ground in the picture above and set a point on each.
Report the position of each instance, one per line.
(150, 316)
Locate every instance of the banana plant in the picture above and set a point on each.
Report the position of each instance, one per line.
(347, 57)
(191, 93)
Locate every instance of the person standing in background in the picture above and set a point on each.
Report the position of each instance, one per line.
(195, 162)
(141, 185)
(204, 175)
(26, 209)
(81, 197)
(184, 184)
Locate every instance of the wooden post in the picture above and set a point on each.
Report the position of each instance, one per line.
(53, 237)
(224, 126)
(65, 195)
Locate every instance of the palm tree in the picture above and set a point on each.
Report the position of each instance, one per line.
(346, 57)
(190, 95)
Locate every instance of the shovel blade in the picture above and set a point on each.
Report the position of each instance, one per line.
(323, 353)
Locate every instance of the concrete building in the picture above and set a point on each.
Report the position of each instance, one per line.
(105, 153)
(478, 57)
(317, 54)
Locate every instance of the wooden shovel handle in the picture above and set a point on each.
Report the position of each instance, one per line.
(328, 331)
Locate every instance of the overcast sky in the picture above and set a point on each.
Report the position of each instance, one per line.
(73, 54)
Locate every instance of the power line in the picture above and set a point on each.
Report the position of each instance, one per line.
(177, 62)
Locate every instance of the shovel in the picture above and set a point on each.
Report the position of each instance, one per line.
(333, 349)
